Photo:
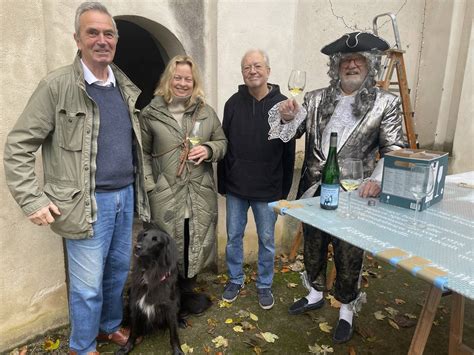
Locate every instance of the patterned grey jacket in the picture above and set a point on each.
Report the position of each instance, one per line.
(378, 130)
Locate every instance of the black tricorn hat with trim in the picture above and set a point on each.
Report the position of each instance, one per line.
(356, 42)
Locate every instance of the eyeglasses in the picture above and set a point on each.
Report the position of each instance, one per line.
(257, 66)
(359, 60)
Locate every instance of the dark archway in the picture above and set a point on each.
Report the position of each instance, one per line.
(141, 57)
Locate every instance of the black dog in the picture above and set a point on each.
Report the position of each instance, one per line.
(154, 295)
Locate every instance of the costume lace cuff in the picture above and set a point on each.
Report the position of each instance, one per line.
(284, 131)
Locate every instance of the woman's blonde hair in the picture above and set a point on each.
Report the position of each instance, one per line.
(164, 86)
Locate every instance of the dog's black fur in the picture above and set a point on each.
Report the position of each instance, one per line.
(154, 295)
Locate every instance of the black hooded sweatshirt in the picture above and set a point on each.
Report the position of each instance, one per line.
(254, 167)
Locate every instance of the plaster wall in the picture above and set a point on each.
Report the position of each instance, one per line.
(36, 37)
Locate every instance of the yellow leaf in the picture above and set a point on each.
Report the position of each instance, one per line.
(378, 315)
(220, 341)
(229, 321)
(50, 346)
(325, 327)
(399, 301)
(269, 337)
(334, 303)
(393, 324)
(238, 329)
(257, 350)
(224, 304)
(186, 349)
(291, 285)
(253, 317)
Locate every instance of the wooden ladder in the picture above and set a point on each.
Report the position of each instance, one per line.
(394, 62)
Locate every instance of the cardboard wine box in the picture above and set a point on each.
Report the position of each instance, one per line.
(398, 177)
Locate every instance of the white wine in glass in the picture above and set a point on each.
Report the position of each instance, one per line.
(296, 82)
(350, 177)
(195, 137)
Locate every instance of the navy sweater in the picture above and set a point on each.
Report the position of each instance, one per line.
(254, 168)
(114, 144)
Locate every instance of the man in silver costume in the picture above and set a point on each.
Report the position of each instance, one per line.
(368, 121)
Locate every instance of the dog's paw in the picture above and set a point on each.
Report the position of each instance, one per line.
(182, 323)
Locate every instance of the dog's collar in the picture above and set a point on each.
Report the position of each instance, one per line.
(165, 276)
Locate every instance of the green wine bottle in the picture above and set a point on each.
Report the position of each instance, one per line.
(329, 199)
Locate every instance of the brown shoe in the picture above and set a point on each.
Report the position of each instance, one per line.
(120, 337)
(72, 352)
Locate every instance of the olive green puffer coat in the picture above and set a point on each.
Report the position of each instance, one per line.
(162, 137)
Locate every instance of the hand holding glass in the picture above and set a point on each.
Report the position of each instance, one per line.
(422, 184)
(351, 176)
(195, 136)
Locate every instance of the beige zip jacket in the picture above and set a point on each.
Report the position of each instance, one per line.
(62, 119)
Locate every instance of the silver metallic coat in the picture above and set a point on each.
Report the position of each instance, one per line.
(378, 130)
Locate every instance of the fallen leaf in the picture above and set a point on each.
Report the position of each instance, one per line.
(379, 315)
(291, 285)
(435, 322)
(229, 321)
(238, 329)
(257, 350)
(334, 303)
(365, 332)
(220, 341)
(269, 337)
(224, 304)
(393, 324)
(392, 311)
(247, 326)
(352, 350)
(404, 321)
(243, 314)
(411, 316)
(285, 269)
(253, 317)
(49, 345)
(186, 349)
(323, 349)
(212, 322)
(325, 327)
(297, 266)
(206, 349)
(399, 301)
(406, 285)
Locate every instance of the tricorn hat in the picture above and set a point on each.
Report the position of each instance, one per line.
(356, 42)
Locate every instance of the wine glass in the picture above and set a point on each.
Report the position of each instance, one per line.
(351, 176)
(296, 82)
(421, 185)
(195, 137)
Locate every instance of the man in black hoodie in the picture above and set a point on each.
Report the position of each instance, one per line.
(254, 171)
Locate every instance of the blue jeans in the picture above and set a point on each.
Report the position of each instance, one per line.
(98, 269)
(236, 221)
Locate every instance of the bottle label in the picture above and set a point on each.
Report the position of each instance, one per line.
(329, 195)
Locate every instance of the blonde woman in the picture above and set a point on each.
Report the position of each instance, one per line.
(179, 176)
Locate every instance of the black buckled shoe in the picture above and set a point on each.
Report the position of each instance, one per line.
(302, 306)
(343, 332)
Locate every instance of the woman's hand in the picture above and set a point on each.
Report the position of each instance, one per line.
(198, 153)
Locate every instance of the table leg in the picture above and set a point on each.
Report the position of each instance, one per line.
(456, 327)
(296, 242)
(425, 322)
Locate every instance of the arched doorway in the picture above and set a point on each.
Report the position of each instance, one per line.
(143, 50)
